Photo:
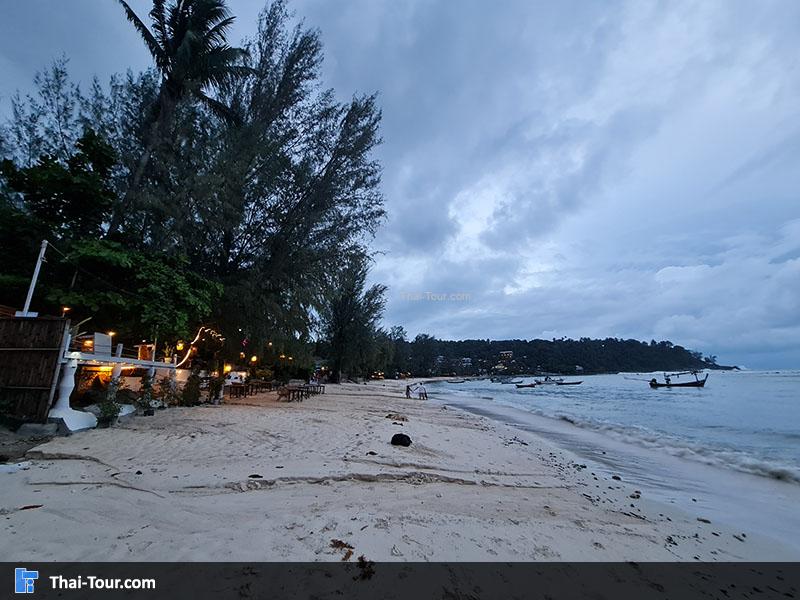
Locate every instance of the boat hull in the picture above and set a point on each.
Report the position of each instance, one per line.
(693, 384)
(569, 383)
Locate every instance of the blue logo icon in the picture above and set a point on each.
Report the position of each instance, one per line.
(23, 580)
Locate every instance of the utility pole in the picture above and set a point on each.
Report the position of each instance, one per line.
(24, 312)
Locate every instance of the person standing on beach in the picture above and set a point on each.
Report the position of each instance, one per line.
(423, 393)
(408, 391)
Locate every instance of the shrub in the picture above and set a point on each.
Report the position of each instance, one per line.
(145, 392)
(167, 392)
(191, 391)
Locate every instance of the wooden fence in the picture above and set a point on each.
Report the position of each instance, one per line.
(30, 354)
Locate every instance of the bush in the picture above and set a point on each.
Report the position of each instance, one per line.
(263, 373)
(146, 392)
(191, 391)
(166, 391)
(109, 409)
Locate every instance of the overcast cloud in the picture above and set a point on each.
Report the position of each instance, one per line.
(626, 169)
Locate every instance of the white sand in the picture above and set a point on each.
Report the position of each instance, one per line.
(177, 486)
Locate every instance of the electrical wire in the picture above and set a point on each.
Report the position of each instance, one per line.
(97, 277)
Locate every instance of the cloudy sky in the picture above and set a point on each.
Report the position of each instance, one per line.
(626, 169)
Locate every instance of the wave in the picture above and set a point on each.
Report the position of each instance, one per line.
(663, 442)
(679, 448)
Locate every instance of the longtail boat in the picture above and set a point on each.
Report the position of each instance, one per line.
(569, 382)
(697, 383)
(526, 385)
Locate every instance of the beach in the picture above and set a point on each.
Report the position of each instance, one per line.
(258, 480)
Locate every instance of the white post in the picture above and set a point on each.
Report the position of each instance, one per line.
(116, 379)
(32, 286)
(74, 420)
(116, 372)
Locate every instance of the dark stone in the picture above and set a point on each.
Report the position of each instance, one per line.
(401, 439)
(616, 477)
(255, 476)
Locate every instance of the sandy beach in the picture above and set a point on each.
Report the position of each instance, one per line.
(258, 480)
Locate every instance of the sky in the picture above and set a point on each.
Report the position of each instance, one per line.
(584, 169)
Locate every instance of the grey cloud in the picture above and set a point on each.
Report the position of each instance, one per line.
(604, 169)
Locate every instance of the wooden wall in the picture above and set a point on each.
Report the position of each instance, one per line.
(30, 354)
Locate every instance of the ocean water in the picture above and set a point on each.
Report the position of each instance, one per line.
(732, 447)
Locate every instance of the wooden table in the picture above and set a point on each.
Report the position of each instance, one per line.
(238, 390)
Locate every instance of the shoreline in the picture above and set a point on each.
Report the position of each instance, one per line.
(265, 481)
(768, 506)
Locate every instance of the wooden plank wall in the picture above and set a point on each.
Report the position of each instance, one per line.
(30, 354)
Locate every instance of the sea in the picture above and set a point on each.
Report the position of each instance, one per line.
(731, 449)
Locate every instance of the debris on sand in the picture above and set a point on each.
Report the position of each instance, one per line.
(341, 545)
(397, 417)
(401, 439)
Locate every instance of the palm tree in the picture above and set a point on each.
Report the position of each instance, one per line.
(188, 45)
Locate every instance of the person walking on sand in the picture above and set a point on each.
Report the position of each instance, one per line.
(423, 393)
(408, 391)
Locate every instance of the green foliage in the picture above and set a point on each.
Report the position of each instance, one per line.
(112, 390)
(145, 392)
(166, 391)
(69, 200)
(141, 292)
(190, 395)
(109, 409)
(350, 318)
(263, 373)
(222, 186)
(430, 356)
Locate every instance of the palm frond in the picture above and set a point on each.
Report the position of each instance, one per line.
(159, 18)
(220, 109)
(149, 39)
(218, 33)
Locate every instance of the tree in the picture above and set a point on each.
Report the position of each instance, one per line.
(350, 319)
(188, 43)
(423, 354)
(264, 190)
(71, 200)
(400, 350)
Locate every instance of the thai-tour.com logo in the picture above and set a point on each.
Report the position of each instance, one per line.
(25, 582)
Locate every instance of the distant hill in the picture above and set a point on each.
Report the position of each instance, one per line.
(428, 355)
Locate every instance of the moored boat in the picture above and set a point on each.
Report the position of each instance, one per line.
(549, 381)
(526, 385)
(697, 383)
(569, 382)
